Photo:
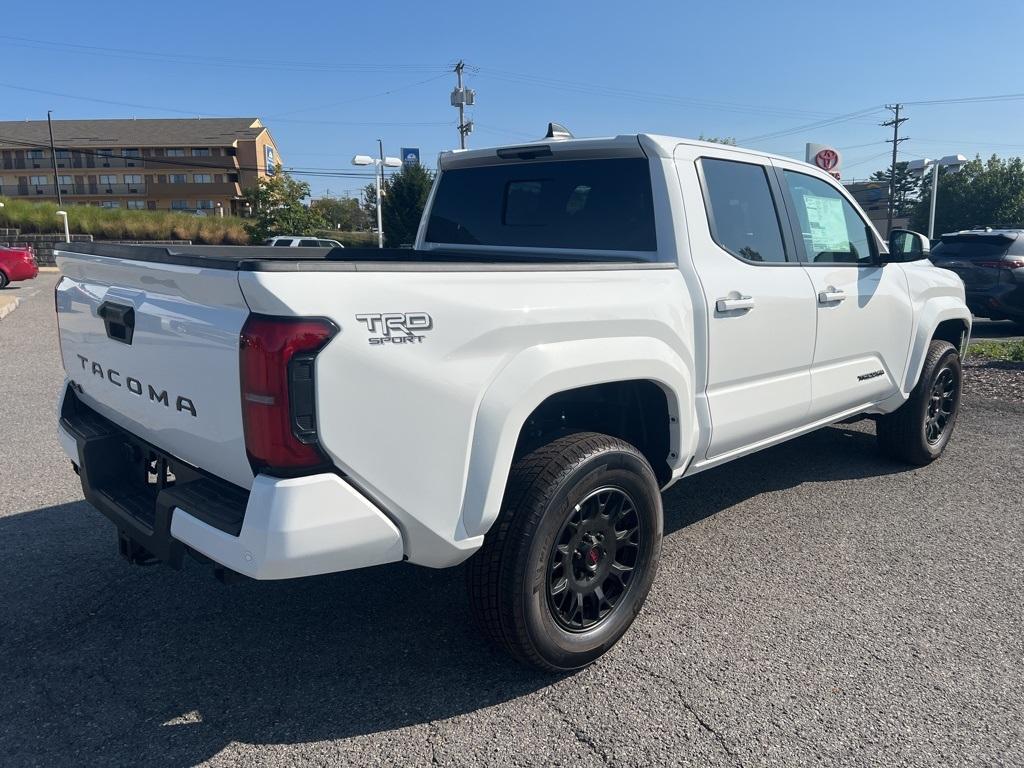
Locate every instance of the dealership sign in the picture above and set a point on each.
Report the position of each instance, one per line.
(268, 160)
(410, 156)
(825, 157)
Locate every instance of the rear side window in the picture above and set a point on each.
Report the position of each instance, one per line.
(741, 210)
(309, 243)
(583, 204)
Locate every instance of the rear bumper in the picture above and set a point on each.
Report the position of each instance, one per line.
(280, 529)
(1000, 301)
(21, 270)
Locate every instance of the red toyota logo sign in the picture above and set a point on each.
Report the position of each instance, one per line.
(827, 159)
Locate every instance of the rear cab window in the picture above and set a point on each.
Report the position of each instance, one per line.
(586, 204)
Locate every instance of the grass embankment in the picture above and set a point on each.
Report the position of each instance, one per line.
(122, 224)
(350, 239)
(1012, 351)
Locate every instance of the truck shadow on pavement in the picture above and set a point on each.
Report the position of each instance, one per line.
(827, 455)
(107, 662)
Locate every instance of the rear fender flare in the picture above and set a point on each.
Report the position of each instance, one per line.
(538, 372)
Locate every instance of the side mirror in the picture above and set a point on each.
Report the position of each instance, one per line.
(906, 245)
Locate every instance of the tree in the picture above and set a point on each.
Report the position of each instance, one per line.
(982, 193)
(277, 208)
(908, 188)
(342, 213)
(405, 197)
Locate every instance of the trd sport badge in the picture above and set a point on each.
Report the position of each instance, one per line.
(396, 327)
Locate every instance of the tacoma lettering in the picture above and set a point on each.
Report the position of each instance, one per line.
(182, 404)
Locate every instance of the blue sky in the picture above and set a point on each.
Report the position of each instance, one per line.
(329, 78)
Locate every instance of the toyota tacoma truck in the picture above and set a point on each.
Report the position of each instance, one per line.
(580, 324)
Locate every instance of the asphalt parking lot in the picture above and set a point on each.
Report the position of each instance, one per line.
(816, 604)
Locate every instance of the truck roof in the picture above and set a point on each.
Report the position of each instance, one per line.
(623, 145)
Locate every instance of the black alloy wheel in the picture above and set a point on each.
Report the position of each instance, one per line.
(590, 568)
(941, 404)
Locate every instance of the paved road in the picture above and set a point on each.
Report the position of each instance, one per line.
(816, 604)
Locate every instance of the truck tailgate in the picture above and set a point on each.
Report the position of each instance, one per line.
(154, 348)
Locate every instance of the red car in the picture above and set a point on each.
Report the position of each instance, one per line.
(17, 264)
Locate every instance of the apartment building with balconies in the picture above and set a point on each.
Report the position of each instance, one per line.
(200, 164)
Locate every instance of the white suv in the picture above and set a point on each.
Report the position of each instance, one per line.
(299, 241)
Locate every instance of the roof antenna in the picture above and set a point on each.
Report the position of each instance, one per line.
(558, 131)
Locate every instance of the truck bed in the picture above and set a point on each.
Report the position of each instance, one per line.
(246, 258)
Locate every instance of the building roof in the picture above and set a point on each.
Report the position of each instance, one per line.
(185, 132)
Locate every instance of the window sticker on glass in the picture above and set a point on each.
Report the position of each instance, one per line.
(827, 224)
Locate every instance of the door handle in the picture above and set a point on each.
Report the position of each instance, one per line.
(830, 296)
(119, 320)
(731, 305)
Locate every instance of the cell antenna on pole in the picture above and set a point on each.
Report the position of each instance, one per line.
(463, 97)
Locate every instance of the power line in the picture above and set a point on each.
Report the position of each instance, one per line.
(218, 61)
(648, 96)
(863, 160)
(192, 113)
(814, 125)
(505, 131)
(102, 101)
(966, 100)
(359, 98)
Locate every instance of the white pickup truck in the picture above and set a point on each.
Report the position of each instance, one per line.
(580, 324)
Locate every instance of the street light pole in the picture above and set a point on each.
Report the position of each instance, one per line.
(378, 175)
(379, 178)
(67, 231)
(935, 194)
(919, 168)
(378, 171)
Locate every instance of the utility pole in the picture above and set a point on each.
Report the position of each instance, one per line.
(53, 158)
(896, 122)
(462, 98)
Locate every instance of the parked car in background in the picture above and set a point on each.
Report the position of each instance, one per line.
(17, 264)
(298, 241)
(991, 264)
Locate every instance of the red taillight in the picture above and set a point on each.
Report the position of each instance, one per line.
(1003, 264)
(278, 416)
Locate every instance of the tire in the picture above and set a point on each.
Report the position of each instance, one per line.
(4, 282)
(581, 516)
(919, 430)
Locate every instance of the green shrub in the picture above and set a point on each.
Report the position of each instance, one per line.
(1012, 351)
(32, 217)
